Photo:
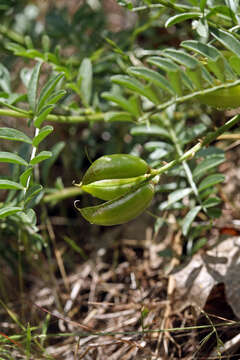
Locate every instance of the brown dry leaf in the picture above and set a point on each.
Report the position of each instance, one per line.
(195, 281)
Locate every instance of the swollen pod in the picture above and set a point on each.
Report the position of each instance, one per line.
(223, 98)
(122, 209)
(117, 166)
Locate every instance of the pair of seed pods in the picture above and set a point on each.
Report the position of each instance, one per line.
(124, 182)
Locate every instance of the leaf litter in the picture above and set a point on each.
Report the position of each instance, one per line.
(130, 300)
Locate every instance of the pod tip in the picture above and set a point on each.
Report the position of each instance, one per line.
(76, 202)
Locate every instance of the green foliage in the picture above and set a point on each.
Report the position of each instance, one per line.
(150, 95)
(148, 92)
(27, 186)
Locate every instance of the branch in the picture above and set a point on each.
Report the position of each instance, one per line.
(73, 119)
(181, 99)
(191, 152)
(167, 4)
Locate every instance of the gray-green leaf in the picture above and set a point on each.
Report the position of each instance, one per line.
(32, 192)
(9, 210)
(207, 165)
(182, 58)
(152, 76)
(228, 40)
(150, 130)
(25, 175)
(55, 96)
(33, 85)
(43, 155)
(202, 4)
(180, 18)
(9, 157)
(118, 116)
(122, 102)
(178, 195)
(8, 184)
(188, 219)
(14, 134)
(211, 180)
(5, 79)
(47, 90)
(85, 79)
(43, 133)
(43, 113)
(136, 86)
(210, 202)
(206, 50)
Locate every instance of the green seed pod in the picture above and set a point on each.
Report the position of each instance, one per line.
(117, 166)
(222, 99)
(112, 188)
(122, 209)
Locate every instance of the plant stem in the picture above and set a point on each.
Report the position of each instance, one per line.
(187, 155)
(191, 152)
(60, 195)
(181, 99)
(73, 119)
(33, 153)
(34, 149)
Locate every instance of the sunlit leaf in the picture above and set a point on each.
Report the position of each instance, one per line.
(25, 175)
(5, 79)
(228, 40)
(188, 219)
(9, 157)
(211, 180)
(206, 50)
(122, 102)
(207, 165)
(211, 202)
(181, 17)
(182, 58)
(150, 75)
(43, 155)
(178, 195)
(202, 4)
(47, 90)
(33, 86)
(43, 133)
(118, 116)
(9, 210)
(85, 80)
(136, 86)
(32, 192)
(14, 134)
(150, 130)
(8, 184)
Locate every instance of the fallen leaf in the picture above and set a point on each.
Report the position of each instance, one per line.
(196, 279)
